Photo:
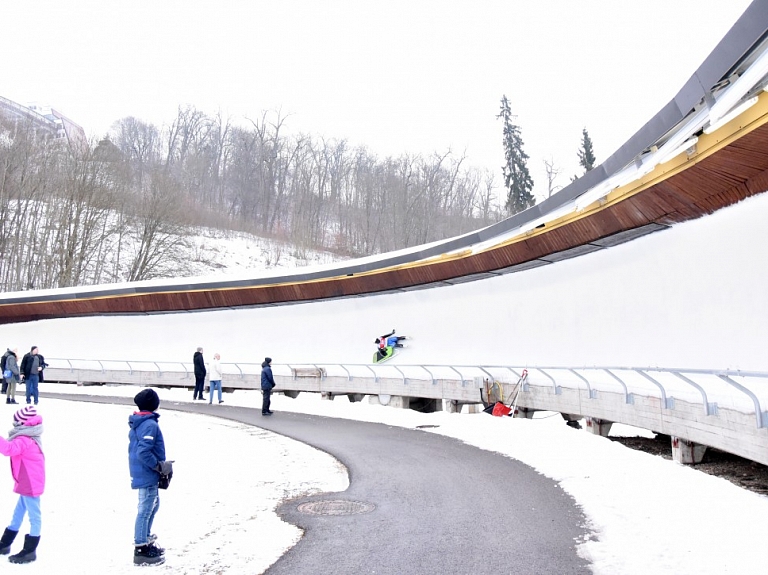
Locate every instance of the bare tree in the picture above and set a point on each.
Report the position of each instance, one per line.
(552, 173)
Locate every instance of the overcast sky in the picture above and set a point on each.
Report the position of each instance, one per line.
(396, 76)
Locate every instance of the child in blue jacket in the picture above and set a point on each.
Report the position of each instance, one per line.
(146, 461)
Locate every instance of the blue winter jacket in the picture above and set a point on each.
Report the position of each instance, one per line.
(267, 381)
(145, 449)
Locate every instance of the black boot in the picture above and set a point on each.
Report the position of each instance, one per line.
(7, 400)
(147, 555)
(152, 542)
(26, 555)
(6, 540)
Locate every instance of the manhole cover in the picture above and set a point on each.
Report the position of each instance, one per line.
(336, 507)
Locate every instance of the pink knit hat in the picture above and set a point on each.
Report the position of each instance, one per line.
(25, 414)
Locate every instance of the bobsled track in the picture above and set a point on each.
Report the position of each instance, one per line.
(706, 149)
(581, 325)
(554, 308)
(562, 307)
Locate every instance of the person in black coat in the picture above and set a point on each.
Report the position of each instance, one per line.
(197, 361)
(267, 383)
(31, 368)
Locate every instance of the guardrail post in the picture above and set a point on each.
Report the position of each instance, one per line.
(525, 387)
(240, 370)
(668, 403)
(628, 397)
(349, 375)
(322, 375)
(130, 369)
(401, 373)
(430, 374)
(101, 365)
(591, 393)
(460, 375)
(760, 415)
(71, 369)
(159, 371)
(375, 375)
(557, 388)
(709, 408)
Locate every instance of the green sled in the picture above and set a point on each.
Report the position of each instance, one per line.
(380, 357)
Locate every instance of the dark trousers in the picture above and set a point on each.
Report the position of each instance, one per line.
(31, 383)
(199, 386)
(266, 401)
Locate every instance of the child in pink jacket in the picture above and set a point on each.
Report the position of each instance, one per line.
(24, 448)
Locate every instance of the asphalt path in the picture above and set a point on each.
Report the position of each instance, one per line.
(440, 506)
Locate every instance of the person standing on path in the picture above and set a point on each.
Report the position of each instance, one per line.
(267, 383)
(197, 360)
(24, 447)
(32, 373)
(2, 369)
(12, 365)
(215, 378)
(146, 462)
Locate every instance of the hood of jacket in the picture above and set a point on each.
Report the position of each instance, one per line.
(139, 417)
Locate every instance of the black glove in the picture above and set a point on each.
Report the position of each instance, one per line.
(164, 467)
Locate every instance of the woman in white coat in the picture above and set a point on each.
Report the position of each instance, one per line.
(214, 370)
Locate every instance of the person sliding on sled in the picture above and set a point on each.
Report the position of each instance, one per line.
(387, 344)
(389, 340)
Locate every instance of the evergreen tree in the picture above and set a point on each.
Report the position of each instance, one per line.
(586, 153)
(517, 180)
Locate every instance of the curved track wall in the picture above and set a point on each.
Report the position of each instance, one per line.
(692, 296)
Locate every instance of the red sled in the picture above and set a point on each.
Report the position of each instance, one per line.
(498, 409)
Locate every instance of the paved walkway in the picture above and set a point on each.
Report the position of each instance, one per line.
(441, 506)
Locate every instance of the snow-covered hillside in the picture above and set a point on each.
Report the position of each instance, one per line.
(212, 252)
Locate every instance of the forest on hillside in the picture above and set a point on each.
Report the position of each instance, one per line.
(119, 209)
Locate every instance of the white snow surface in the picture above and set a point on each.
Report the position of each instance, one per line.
(692, 296)
(647, 514)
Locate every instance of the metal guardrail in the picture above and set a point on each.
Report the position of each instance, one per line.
(618, 374)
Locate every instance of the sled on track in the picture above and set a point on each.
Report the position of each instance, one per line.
(383, 355)
(386, 353)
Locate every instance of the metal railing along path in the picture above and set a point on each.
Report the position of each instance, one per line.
(717, 408)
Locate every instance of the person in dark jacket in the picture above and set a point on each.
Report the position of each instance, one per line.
(32, 365)
(146, 461)
(197, 361)
(267, 383)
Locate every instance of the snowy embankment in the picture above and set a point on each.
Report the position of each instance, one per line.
(649, 515)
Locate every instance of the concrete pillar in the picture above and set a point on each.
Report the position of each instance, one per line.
(400, 402)
(355, 397)
(474, 407)
(523, 412)
(684, 451)
(391, 400)
(572, 420)
(598, 426)
(451, 406)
